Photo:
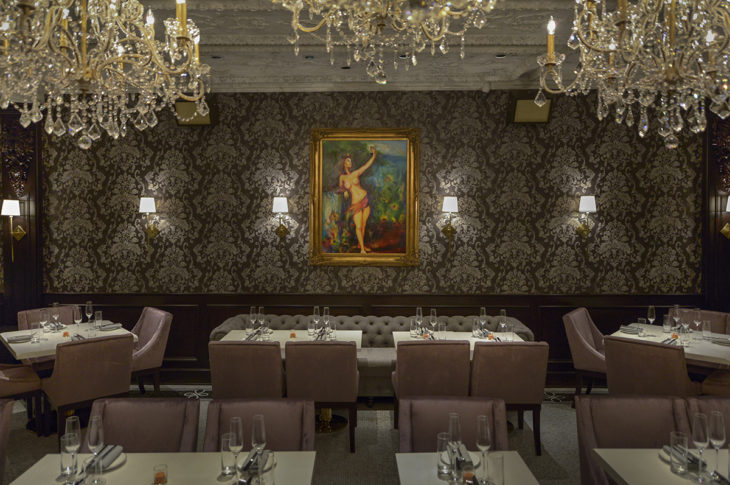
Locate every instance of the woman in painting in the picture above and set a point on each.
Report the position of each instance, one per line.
(359, 208)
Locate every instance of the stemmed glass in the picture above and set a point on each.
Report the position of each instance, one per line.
(675, 315)
(651, 314)
(484, 442)
(44, 318)
(258, 432)
(717, 433)
(502, 320)
(77, 315)
(700, 438)
(95, 439)
(236, 443)
(262, 320)
(433, 321)
(251, 320)
(89, 310)
(697, 324)
(73, 434)
(419, 318)
(316, 318)
(55, 314)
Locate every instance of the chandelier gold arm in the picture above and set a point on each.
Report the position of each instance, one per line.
(309, 30)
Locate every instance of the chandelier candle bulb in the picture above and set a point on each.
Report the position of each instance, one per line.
(182, 16)
(551, 39)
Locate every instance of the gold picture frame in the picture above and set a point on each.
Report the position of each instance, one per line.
(364, 197)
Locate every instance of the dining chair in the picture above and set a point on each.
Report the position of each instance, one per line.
(326, 373)
(243, 370)
(636, 367)
(624, 422)
(289, 422)
(86, 370)
(586, 347)
(152, 331)
(148, 425)
(719, 321)
(514, 372)
(421, 419)
(430, 368)
(22, 382)
(6, 413)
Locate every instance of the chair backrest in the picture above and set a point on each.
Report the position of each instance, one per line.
(322, 371)
(512, 371)
(289, 422)
(65, 316)
(6, 413)
(585, 341)
(432, 368)
(421, 419)
(624, 422)
(720, 322)
(92, 368)
(635, 367)
(150, 425)
(240, 370)
(152, 330)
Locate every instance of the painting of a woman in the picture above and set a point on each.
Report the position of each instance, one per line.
(359, 208)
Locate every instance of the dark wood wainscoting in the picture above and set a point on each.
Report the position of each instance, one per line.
(195, 316)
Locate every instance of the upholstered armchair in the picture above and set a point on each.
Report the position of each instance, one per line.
(586, 348)
(289, 422)
(153, 425)
(22, 382)
(263, 370)
(152, 330)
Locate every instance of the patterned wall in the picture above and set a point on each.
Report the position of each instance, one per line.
(518, 188)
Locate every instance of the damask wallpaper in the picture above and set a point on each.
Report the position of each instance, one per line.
(518, 189)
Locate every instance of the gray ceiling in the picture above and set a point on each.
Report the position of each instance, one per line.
(245, 43)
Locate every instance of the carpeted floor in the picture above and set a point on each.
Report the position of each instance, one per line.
(377, 443)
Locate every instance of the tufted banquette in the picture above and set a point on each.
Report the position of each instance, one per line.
(376, 359)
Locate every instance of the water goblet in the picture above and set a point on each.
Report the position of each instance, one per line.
(454, 427)
(258, 432)
(717, 433)
(700, 438)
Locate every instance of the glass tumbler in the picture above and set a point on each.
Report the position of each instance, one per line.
(414, 328)
(678, 457)
(496, 468)
(228, 459)
(706, 329)
(666, 324)
(69, 445)
(444, 467)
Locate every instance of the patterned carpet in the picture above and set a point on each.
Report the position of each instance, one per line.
(377, 443)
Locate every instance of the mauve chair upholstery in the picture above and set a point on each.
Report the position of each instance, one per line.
(6, 413)
(326, 373)
(246, 370)
(421, 419)
(720, 322)
(585, 341)
(514, 372)
(624, 422)
(152, 331)
(432, 368)
(636, 367)
(153, 425)
(89, 369)
(289, 422)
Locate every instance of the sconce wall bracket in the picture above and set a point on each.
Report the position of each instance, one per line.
(18, 233)
(282, 232)
(449, 231)
(583, 228)
(725, 231)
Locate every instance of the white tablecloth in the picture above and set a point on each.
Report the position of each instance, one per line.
(702, 353)
(644, 467)
(420, 469)
(503, 336)
(293, 468)
(284, 336)
(47, 346)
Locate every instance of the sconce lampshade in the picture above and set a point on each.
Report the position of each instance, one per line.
(280, 205)
(451, 204)
(587, 204)
(147, 205)
(11, 207)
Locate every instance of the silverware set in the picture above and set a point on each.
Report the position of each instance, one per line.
(670, 341)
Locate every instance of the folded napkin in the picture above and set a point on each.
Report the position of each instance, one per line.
(720, 340)
(110, 326)
(254, 334)
(18, 339)
(629, 329)
(107, 456)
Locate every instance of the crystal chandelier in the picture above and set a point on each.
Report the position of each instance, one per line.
(670, 57)
(369, 30)
(95, 65)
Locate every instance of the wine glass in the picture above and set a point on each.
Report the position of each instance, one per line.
(700, 438)
(502, 320)
(717, 433)
(73, 433)
(419, 317)
(651, 314)
(697, 324)
(454, 428)
(43, 318)
(433, 321)
(95, 440)
(316, 317)
(675, 315)
(236, 443)
(77, 315)
(89, 311)
(483, 441)
(261, 317)
(258, 432)
(251, 320)
(55, 314)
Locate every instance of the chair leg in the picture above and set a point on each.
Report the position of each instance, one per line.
(520, 419)
(156, 380)
(536, 429)
(140, 383)
(395, 413)
(38, 402)
(578, 385)
(29, 407)
(589, 386)
(47, 416)
(353, 424)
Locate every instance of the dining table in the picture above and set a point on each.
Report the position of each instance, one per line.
(645, 467)
(46, 346)
(713, 352)
(420, 468)
(449, 335)
(284, 336)
(292, 468)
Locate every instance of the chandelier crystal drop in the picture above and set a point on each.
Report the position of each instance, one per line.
(372, 31)
(94, 66)
(655, 64)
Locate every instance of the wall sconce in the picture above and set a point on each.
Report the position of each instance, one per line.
(281, 206)
(450, 205)
(587, 206)
(147, 206)
(725, 231)
(11, 208)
